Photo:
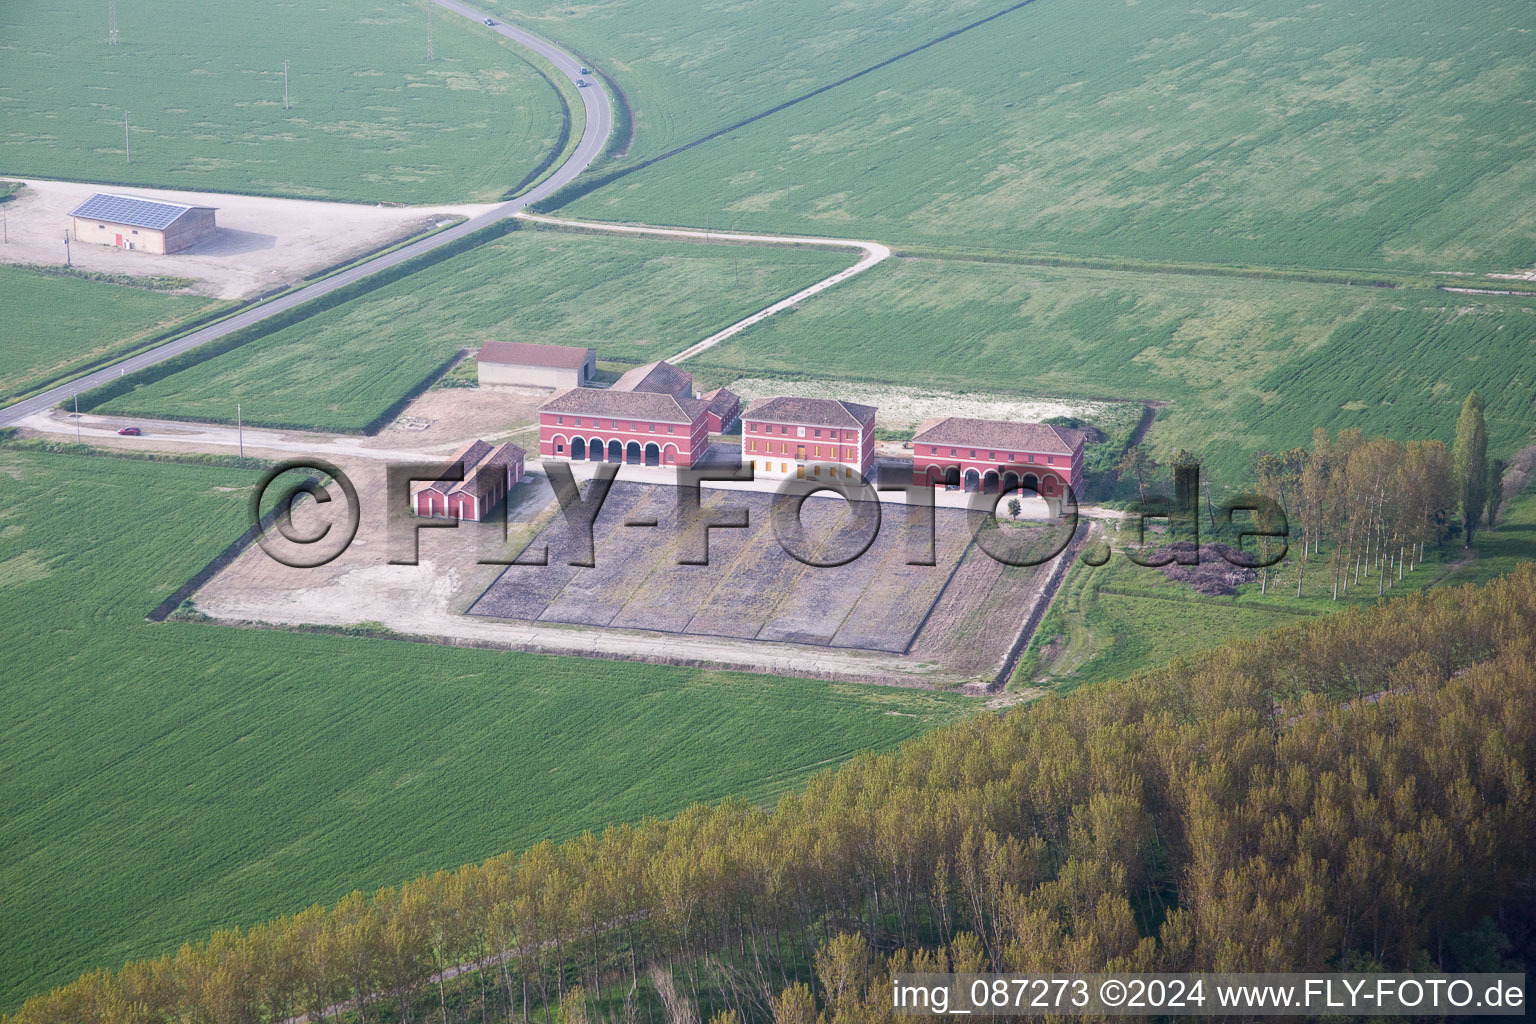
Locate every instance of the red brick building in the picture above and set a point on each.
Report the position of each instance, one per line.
(489, 473)
(995, 456)
(724, 407)
(648, 417)
(783, 436)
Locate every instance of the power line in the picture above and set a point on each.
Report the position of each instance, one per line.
(127, 144)
(112, 22)
(285, 85)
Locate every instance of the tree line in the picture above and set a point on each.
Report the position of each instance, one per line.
(1374, 502)
(1351, 793)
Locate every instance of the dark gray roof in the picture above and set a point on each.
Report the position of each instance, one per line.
(521, 353)
(132, 210)
(816, 412)
(1018, 437)
(631, 405)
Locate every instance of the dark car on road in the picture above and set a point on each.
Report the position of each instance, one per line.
(490, 21)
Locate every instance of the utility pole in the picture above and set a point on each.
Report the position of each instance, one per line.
(127, 143)
(430, 54)
(112, 23)
(77, 417)
(66, 248)
(240, 428)
(285, 85)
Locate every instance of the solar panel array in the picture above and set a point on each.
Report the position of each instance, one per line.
(130, 210)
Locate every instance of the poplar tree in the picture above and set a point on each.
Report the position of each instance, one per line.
(1472, 462)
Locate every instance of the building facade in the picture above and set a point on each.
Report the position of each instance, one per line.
(995, 456)
(150, 225)
(649, 417)
(488, 474)
(518, 364)
(808, 438)
(724, 409)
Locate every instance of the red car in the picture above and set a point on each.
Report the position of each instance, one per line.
(130, 431)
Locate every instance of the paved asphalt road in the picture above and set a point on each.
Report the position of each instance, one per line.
(593, 138)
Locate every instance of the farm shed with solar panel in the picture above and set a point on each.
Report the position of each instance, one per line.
(132, 222)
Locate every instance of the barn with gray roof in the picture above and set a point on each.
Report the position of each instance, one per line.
(134, 222)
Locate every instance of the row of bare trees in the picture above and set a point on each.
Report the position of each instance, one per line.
(1375, 502)
(1355, 791)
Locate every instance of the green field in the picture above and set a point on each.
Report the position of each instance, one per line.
(371, 119)
(632, 299)
(1340, 133)
(688, 70)
(73, 321)
(161, 780)
(1243, 364)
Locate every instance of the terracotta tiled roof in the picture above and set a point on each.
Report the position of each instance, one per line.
(477, 457)
(722, 402)
(816, 412)
(1018, 437)
(480, 479)
(659, 378)
(632, 405)
(520, 353)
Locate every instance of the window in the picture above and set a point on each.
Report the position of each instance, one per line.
(973, 453)
(783, 429)
(991, 455)
(816, 471)
(135, 230)
(818, 451)
(818, 431)
(1050, 460)
(1010, 456)
(559, 447)
(799, 431)
(671, 429)
(652, 426)
(634, 426)
(951, 451)
(932, 450)
(783, 467)
(1031, 456)
(560, 420)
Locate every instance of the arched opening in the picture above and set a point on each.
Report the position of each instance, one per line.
(652, 454)
(595, 450)
(632, 453)
(1010, 482)
(578, 448)
(670, 453)
(935, 476)
(952, 478)
(972, 481)
(1048, 483)
(989, 482)
(615, 451)
(1031, 483)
